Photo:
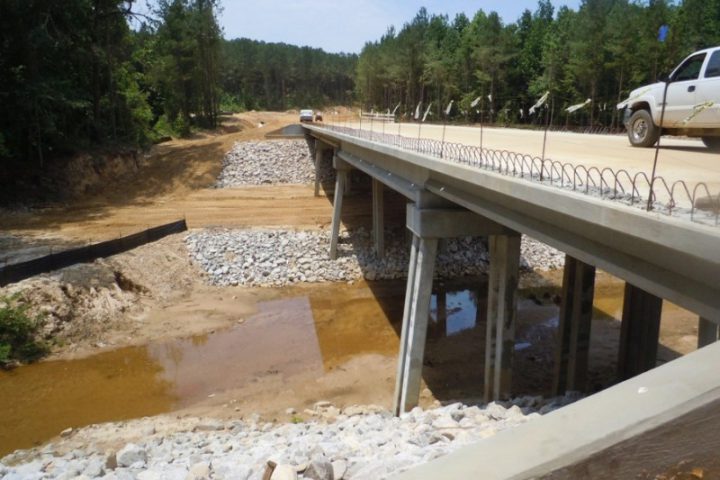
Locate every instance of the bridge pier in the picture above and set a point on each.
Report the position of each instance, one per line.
(639, 333)
(501, 314)
(428, 225)
(378, 217)
(708, 332)
(572, 351)
(341, 177)
(318, 151)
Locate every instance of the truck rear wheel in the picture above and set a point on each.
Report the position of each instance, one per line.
(713, 143)
(642, 132)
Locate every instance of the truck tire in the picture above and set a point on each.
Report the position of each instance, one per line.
(713, 143)
(642, 132)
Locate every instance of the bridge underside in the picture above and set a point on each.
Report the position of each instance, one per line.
(658, 257)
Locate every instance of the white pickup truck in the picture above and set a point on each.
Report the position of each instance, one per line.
(692, 105)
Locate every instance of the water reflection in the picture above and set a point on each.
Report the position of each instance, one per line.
(455, 310)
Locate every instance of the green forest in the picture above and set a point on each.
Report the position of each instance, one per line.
(78, 74)
(599, 52)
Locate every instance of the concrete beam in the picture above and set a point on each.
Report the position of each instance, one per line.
(588, 427)
(573, 347)
(395, 182)
(450, 223)
(639, 333)
(679, 287)
(501, 315)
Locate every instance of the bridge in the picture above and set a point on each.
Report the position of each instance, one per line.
(600, 220)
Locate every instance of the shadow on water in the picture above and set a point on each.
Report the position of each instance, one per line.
(454, 351)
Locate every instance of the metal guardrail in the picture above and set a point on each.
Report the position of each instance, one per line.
(675, 198)
(380, 117)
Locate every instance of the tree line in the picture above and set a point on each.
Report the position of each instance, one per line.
(74, 74)
(498, 71)
(78, 74)
(276, 76)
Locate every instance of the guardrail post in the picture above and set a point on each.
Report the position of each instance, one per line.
(501, 315)
(708, 332)
(572, 351)
(639, 333)
(378, 217)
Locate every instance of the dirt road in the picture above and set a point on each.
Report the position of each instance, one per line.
(177, 183)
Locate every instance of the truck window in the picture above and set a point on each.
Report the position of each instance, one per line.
(713, 68)
(690, 70)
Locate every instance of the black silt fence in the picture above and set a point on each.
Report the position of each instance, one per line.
(19, 271)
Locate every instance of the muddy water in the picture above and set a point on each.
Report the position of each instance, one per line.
(307, 333)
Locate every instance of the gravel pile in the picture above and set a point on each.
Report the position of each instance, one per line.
(269, 162)
(357, 443)
(536, 255)
(282, 257)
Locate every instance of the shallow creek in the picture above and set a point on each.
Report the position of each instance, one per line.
(304, 333)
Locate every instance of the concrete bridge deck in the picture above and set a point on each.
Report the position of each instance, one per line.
(679, 159)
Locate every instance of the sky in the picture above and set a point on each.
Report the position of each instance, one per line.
(345, 25)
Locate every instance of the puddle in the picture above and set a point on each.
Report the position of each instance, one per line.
(40, 400)
(313, 333)
(298, 341)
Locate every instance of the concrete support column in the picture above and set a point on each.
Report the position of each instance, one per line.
(640, 332)
(429, 220)
(415, 322)
(501, 315)
(572, 352)
(708, 332)
(341, 173)
(318, 163)
(378, 215)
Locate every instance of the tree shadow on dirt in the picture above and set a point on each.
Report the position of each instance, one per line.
(169, 169)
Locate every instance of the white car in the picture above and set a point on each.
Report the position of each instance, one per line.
(692, 104)
(306, 115)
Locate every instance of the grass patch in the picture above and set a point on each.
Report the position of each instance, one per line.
(18, 330)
